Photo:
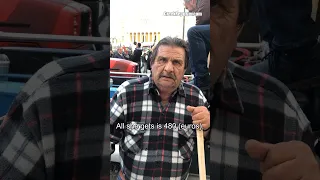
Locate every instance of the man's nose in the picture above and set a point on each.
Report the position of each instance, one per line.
(168, 67)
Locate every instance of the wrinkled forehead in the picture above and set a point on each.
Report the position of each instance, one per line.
(171, 52)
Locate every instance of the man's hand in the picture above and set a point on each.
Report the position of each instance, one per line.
(284, 161)
(223, 35)
(200, 115)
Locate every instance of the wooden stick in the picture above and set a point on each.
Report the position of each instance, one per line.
(201, 155)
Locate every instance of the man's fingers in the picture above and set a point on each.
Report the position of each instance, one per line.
(197, 117)
(190, 108)
(196, 110)
(287, 169)
(270, 155)
(257, 150)
(202, 124)
(193, 110)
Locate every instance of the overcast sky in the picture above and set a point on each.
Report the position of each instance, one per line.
(138, 8)
(147, 15)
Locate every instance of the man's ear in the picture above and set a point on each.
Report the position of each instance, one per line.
(151, 64)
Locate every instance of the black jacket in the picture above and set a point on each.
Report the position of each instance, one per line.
(136, 55)
(118, 55)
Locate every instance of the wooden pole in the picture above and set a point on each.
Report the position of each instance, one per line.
(201, 155)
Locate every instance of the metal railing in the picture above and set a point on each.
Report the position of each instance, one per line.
(55, 51)
(249, 45)
(140, 74)
(25, 37)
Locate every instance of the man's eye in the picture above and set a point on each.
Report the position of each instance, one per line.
(176, 63)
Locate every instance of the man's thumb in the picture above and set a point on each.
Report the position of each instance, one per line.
(190, 108)
(257, 150)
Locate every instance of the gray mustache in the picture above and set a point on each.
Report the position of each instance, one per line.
(168, 76)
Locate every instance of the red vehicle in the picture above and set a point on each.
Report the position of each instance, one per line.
(122, 65)
(57, 17)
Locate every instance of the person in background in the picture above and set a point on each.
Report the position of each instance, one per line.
(125, 53)
(136, 57)
(199, 40)
(119, 53)
(199, 6)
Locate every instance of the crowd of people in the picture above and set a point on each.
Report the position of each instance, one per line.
(137, 54)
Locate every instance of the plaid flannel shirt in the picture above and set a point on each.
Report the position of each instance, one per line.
(248, 105)
(57, 125)
(152, 152)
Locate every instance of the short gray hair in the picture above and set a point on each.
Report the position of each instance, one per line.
(172, 41)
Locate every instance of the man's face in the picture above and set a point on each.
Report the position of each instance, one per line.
(168, 67)
(120, 50)
(191, 5)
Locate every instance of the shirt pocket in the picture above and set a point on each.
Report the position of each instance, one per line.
(186, 142)
(133, 139)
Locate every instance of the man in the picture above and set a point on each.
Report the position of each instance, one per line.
(56, 127)
(125, 53)
(202, 6)
(119, 53)
(137, 55)
(160, 150)
(247, 105)
(199, 40)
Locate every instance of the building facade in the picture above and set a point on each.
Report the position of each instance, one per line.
(147, 23)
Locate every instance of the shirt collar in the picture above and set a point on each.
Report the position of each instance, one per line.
(153, 87)
(227, 92)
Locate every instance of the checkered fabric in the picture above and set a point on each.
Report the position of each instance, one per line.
(57, 127)
(248, 105)
(154, 144)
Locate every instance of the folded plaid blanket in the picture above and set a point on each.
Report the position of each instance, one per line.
(58, 126)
